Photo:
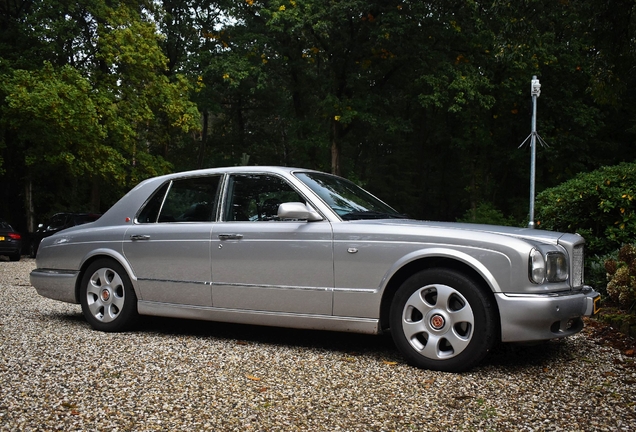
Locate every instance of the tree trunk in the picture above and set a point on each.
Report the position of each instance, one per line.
(335, 148)
(30, 211)
(204, 138)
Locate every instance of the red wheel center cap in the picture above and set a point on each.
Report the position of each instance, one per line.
(105, 295)
(437, 322)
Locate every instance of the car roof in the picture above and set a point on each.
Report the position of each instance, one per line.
(235, 169)
(127, 206)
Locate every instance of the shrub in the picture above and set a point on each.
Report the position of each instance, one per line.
(621, 274)
(598, 205)
(486, 213)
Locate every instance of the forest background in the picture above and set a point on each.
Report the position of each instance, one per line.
(424, 103)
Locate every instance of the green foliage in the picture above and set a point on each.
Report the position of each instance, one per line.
(425, 102)
(486, 213)
(54, 117)
(621, 274)
(599, 205)
(101, 108)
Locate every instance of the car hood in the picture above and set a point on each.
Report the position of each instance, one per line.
(516, 232)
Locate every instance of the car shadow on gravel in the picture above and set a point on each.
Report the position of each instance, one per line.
(506, 357)
(349, 343)
(513, 357)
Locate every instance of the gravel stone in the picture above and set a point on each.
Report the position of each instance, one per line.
(58, 374)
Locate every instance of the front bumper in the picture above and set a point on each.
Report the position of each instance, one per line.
(55, 284)
(526, 318)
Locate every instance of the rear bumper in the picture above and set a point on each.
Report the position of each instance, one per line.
(55, 284)
(10, 248)
(526, 318)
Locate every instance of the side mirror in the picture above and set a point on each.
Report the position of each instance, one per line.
(297, 210)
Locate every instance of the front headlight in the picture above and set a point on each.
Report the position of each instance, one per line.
(537, 266)
(556, 267)
(553, 267)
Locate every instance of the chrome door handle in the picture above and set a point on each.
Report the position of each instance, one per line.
(230, 236)
(139, 237)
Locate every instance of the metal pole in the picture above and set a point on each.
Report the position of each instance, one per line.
(535, 90)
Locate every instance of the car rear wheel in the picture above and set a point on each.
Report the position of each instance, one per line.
(14, 257)
(108, 300)
(441, 320)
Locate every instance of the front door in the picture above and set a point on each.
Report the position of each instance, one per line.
(262, 263)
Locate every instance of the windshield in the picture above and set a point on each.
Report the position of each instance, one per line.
(346, 198)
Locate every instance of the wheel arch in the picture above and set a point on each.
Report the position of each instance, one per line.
(465, 265)
(100, 254)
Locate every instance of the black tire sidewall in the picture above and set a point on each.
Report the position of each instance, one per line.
(127, 315)
(482, 305)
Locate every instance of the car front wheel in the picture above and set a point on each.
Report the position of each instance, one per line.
(441, 320)
(108, 300)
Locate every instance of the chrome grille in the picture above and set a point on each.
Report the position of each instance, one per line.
(577, 266)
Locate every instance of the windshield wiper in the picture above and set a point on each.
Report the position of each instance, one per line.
(371, 214)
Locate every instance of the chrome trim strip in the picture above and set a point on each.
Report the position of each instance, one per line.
(356, 290)
(288, 287)
(244, 285)
(175, 281)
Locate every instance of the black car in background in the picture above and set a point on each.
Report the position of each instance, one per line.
(58, 222)
(10, 241)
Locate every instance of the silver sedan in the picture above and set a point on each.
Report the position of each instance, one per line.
(299, 248)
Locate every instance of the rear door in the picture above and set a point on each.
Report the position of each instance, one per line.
(168, 247)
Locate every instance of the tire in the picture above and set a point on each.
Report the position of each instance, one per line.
(442, 320)
(14, 257)
(108, 300)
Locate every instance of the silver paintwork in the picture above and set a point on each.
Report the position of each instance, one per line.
(317, 271)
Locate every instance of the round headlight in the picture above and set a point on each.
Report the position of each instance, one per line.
(536, 266)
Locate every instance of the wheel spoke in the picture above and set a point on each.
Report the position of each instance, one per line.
(118, 301)
(444, 294)
(116, 280)
(457, 342)
(431, 349)
(92, 290)
(464, 315)
(95, 306)
(416, 302)
(411, 329)
(110, 313)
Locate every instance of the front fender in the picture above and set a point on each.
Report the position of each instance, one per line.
(493, 266)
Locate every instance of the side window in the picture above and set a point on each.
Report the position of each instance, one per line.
(186, 200)
(150, 212)
(256, 197)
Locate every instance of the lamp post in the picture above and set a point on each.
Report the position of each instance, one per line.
(535, 91)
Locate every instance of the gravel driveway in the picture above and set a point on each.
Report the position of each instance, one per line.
(58, 374)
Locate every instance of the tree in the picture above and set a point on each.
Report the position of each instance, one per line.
(102, 108)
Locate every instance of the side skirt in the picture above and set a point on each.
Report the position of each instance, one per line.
(273, 319)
